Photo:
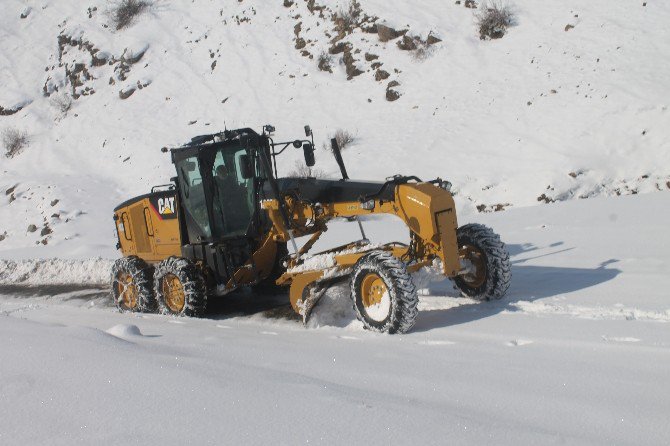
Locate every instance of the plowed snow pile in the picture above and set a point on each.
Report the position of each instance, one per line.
(55, 272)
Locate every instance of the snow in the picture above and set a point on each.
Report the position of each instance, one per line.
(379, 311)
(577, 352)
(558, 360)
(463, 113)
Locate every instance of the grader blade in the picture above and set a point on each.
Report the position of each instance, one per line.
(314, 295)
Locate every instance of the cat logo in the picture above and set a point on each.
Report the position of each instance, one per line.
(166, 206)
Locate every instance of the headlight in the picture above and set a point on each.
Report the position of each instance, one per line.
(368, 205)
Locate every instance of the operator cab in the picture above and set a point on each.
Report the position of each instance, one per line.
(218, 202)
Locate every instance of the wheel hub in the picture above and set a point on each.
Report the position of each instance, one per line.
(372, 290)
(476, 275)
(126, 291)
(173, 292)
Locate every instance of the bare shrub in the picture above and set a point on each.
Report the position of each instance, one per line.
(344, 138)
(14, 140)
(347, 19)
(422, 52)
(493, 19)
(123, 12)
(301, 170)
(61, 102)
(325, 62)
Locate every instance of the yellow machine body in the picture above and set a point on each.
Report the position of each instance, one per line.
(148, 227)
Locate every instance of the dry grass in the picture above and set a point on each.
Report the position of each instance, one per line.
(14, 140)
(493, 19)
(123, 12)
(325, 61)
(344, 138)
(61, 102)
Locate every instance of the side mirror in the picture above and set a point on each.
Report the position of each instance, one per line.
(308, 131)
(309, 154)
(246, 166)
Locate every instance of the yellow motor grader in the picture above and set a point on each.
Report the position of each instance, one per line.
(226, 219)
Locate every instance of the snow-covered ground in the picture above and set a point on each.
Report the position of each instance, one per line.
(577, 353)
(571, 103)
(543, 113)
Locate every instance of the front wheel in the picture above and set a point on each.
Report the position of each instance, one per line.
(385, 298)
(486, 260)
(180, 288)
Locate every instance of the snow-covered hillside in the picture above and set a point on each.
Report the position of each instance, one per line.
(548, 112)
(577, 353)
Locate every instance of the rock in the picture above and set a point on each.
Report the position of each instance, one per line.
(126, 93)
(339, 48)
(370, 57)
(32, 228)
(381, 75)
(54, 202)
(131, 57)
(46, 231)
(407, 43)
(392, 95)
(350, 63)
(432, 40)
(370, 29)
(386, 33)
(569, 27)
(324, 64)
(393, 84)
(100, 58)
(10, 110)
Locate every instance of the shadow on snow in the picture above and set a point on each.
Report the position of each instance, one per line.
(529, 283)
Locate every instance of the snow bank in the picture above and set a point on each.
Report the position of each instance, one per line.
(55, 272)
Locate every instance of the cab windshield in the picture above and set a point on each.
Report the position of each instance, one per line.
(232, 194)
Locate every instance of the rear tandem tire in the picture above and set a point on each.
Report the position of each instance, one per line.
(132, 285)
(180, 288)
(383, 293)
(492, 268)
